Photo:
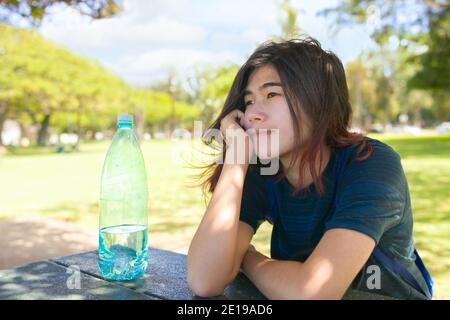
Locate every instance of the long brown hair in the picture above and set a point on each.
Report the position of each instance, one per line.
(314, 81)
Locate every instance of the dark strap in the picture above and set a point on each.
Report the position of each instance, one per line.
(390, 263)
(399, 269)
(273, 208)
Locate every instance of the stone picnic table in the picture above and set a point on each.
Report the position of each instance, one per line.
(77, 277)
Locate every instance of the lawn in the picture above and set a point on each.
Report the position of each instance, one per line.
(66, 186)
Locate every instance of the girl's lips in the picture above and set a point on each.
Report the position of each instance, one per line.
(262, 132)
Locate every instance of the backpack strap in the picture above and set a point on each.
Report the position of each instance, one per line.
(399, 269)
(426, 275)
(272, 200)
(390, 263)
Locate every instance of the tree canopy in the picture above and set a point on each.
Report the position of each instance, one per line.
(41, 82)
(35, 11)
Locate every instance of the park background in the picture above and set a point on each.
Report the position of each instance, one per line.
(67, 68)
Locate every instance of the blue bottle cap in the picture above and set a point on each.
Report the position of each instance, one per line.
(125, 119)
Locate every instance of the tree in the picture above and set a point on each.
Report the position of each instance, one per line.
(288, 21)
(158, 111)
(434, 73)
(41, 79)
(46, 85)
(418, 32)
(208, 89)
(35, 11)
(415, 31)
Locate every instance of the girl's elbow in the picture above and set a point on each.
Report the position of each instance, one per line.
(205, 290)
(201, 286)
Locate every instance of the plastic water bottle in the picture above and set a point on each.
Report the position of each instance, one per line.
(123, 253)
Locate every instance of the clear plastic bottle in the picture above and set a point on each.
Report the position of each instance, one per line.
(123, 253)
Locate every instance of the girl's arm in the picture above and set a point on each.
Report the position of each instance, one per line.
(326, 274)
(221, 240)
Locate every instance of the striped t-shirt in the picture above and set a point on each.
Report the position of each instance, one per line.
(373, 198)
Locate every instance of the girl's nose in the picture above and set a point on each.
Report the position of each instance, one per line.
(255, 117)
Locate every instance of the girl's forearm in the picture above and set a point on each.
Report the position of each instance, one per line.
(276, 279)
(213, 248)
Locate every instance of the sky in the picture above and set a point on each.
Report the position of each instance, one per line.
(151, 38)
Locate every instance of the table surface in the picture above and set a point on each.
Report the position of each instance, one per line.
(166, 278)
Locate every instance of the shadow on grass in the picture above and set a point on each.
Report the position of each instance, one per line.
(28, 239)
(167, 220)
(73, 212)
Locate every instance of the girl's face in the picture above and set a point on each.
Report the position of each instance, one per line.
(266, 108)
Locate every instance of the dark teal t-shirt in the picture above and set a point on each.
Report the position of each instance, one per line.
(373, 198)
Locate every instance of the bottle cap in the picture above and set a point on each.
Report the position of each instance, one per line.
(125, 119)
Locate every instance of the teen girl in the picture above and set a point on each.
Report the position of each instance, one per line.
(339, 203)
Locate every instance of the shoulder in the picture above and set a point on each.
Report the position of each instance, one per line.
(382, 158)
(380, 174)
(381, 153)
(371, 194)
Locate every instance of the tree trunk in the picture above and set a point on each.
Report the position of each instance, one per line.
(1, 130)
(418, 117)
(23, 133)
(173, 119)
(358, 99)
(2, 120)
(367, 121)
(3, 111)
(76, 147)
(43, 131)
(139, 124)
(173, 95)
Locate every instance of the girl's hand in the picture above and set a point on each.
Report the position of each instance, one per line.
(233, 120)
(232, 128)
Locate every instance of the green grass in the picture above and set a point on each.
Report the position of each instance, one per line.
(66, 186)
(426, 162)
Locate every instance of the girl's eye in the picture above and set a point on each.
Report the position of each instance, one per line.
(269, 95)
